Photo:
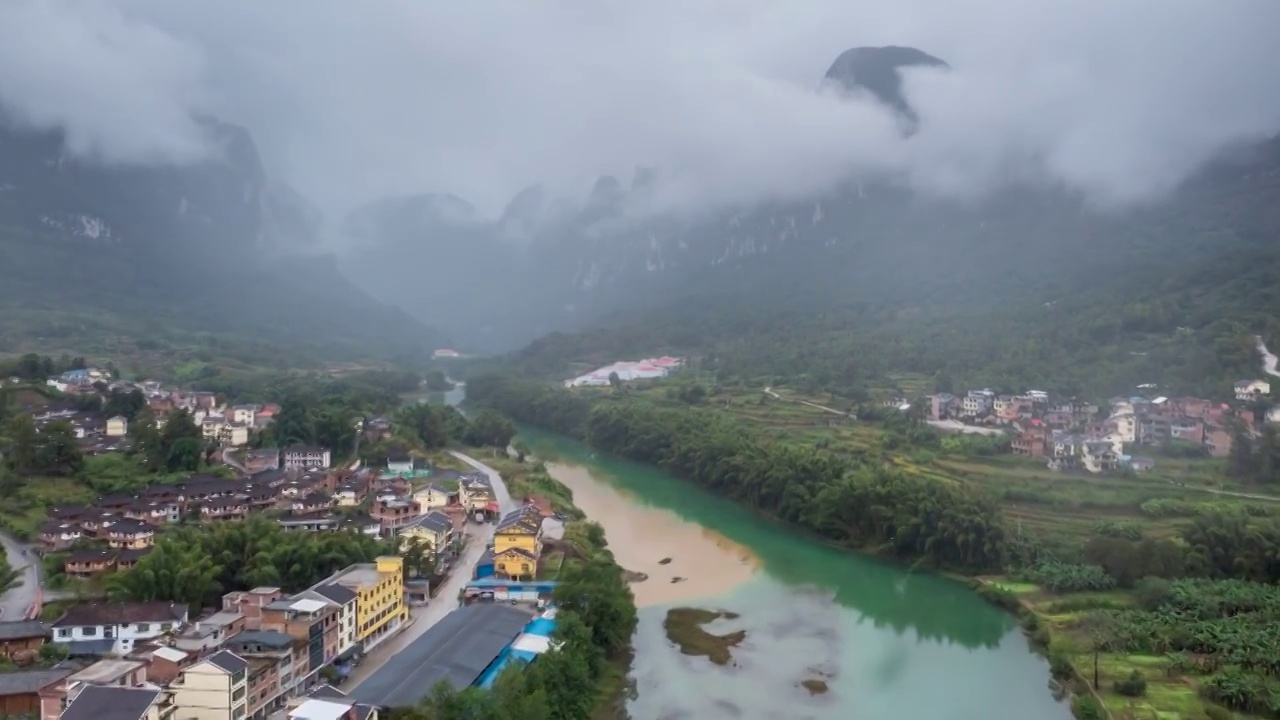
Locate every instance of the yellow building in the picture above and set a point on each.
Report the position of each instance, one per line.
(435, 529)
(515, 564)
(379, 589)
(521, 529)
(432, 497)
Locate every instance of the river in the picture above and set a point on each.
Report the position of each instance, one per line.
(888, 644)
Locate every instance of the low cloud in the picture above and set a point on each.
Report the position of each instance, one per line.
(353, 100)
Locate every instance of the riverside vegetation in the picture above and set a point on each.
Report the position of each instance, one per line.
(1166, 590)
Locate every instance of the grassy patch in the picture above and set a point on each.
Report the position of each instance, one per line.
(22, 513)
(684, 627)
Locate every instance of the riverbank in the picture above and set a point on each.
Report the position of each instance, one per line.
(580, 546)
(810, 613)
(786, 478)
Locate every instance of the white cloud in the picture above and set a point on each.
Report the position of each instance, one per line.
(351, 100)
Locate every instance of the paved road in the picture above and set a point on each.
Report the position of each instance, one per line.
(445, 602)
(953, 425)
(229, 459)
(15, 602)
(1268, 357)
(505, 503)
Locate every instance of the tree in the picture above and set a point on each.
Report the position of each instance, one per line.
(59, 453)
(1099, 625)
(127, 404)
(522, 450)
(490, 428)
(24, 444)
(615, 382)
(181, 442)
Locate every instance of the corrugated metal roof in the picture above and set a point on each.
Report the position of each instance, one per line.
(456, 650)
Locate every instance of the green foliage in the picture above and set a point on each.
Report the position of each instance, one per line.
(433, 426)
(1118, 529)
(53, 451)
(1133, 686)
(197, 563)
(1153, 592)
(1063, 577)
(127, 404)
(856, 503)
(489, 428)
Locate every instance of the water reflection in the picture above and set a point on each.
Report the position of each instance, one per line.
(916, 605)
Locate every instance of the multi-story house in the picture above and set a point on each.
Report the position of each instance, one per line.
(941, 406)
(1188, 430)
(98, 702)
(394, 513)
(58, 535)
(435, 530)
(346, 601)
(313, 502)
(434, 496)
(1217, 441)
(1099, 457)
(380, 606)
(233, 434)
(210, 633)
(1031, 441)
(517, 543)
(256, 461)
(977, 402)
(305, 457)
(118, 625)
(243, 414)
(154, 512)
(165, 664)
(117, 427)
(87, 563)
(21, 636)
(224, 508)
(131, 535)
(329, 703)
(215, 688)
(1249, 390)
(315, 621)
(288, 656)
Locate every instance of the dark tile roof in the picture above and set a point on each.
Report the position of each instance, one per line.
(133, 554)
(435, 521)
(268, 638)
(520, 552)
(120, 613)
(337, 593)
(22, 629)
(228, 661)
(98, 702)
(455, 650)
(91, 648)
(84, 556)
(30, 681)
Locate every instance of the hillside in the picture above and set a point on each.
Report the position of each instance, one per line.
(1027, 286)
(115, 259)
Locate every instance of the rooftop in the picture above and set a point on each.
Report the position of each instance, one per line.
(96, 702)
(455, 650)
(22, 629)
(30, 681)
(106, 671)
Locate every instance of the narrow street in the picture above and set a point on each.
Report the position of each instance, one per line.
(16, 601)
(422, 618)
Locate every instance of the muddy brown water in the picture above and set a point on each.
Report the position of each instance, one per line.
(889, 644)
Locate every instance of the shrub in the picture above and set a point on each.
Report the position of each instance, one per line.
(1153, 592)
(1133, 686)
(1213, 712)
(1085, 707)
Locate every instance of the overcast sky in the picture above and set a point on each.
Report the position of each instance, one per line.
(353, 99)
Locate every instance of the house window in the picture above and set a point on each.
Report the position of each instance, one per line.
(524, 567)
(64, 632)
(89, 631)
(144, 627)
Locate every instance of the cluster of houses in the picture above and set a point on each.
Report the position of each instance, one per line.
(261, 654)
(1070, 433)
(228, 426)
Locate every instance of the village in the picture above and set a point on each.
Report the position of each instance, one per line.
(264, 653)
(1073, 434)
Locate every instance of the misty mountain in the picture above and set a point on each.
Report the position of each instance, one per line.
(878, 71)
(93, 251)
(869, 245)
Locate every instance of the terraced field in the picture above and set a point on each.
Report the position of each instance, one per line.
(1059, 507)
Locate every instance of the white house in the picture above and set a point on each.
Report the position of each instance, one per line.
(118, 625)
(117, 426)
(244, 413)
(305, 457)
(215, 688)
(1252, 389)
